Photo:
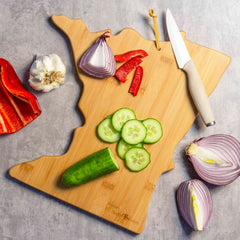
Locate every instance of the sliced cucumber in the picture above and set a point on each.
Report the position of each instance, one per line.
(106, 131)
(154, 130)
(137, 159)
(123, 147)
(121, 116)
(109, 116)
(133, 132)
(96, 165)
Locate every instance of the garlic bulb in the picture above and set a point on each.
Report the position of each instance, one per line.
(47, 72)
(216, 158)
(194, 203)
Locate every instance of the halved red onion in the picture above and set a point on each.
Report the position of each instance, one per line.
(98, 61)
(216, 158)
(194, 203)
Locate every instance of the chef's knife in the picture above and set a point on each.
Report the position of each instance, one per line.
(185, 62)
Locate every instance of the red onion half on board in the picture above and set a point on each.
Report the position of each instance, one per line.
(216, 158)
(98, 61)
(194, 203)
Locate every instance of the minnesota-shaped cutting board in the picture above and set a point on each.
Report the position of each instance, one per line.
(123, 197)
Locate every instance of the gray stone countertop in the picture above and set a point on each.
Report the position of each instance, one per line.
(26, 30)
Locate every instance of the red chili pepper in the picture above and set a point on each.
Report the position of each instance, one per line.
(127, 56)
(18, 107)
(126, 68)
(136, 82)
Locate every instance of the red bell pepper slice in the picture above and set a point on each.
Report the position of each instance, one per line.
(126, 68)
(136, 82)
(18, 107)
(131, 54)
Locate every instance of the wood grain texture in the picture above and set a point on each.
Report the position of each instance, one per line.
(123, 197)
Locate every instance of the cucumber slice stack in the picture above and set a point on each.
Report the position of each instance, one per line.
(130, 133)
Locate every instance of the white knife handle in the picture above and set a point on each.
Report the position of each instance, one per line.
(198, 93)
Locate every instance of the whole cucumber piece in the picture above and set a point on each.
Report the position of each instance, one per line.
(93, 166)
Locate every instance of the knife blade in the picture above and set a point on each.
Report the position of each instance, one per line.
(184, 61)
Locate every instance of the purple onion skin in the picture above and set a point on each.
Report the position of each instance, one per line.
(204, 199)
(226, 148)
(99, 72)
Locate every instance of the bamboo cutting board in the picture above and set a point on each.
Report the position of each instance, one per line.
(123, 196)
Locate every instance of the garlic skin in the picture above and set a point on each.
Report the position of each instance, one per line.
(47, 73)
(194, 203)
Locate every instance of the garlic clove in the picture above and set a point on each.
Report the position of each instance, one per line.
(194, 203)
(57, 63)
(37, 68)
